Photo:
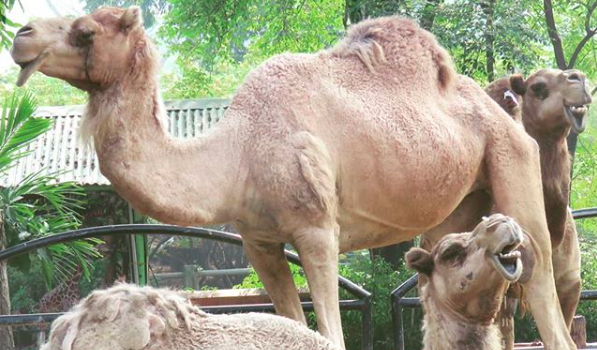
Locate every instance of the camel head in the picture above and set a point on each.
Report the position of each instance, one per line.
(89, 52)
(555, 99)
(507, 93)
(468, 273)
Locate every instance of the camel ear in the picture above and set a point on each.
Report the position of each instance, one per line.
(528, 261)
(419, 260)
(131, 19)
(517, 84)
(157, 326)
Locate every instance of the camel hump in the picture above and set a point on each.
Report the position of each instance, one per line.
(400, 43)
(315, 164)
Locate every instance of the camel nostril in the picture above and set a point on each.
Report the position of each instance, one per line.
(574, 77)
(26, 30)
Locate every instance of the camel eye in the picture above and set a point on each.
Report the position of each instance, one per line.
(455, 254)
(83, 38)
(540, 90)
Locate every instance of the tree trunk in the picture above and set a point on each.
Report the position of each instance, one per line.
(554, 37)
(393, 254)
(429, 12)
(488, 7)
(6, 339)
(354, 12)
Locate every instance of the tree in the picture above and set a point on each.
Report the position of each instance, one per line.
(152, 9)
(583, 12)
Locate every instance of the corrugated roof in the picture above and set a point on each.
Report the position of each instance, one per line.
(59, 150)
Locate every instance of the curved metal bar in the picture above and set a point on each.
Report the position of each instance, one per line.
(584, 213)
(153, 229)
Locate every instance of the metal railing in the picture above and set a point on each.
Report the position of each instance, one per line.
(362, 301)
(400, 301)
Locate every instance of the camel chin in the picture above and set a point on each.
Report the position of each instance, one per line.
(30, 67)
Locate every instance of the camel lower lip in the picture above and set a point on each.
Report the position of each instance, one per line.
(576, 115)
(508, 265)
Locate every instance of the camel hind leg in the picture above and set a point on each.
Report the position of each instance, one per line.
(513, 170)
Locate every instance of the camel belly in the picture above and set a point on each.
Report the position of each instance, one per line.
(393, 199)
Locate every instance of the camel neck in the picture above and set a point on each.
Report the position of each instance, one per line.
(444, 331)
(185, 182)
(555, 173)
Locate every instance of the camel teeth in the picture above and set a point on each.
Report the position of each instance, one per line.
(515, 254)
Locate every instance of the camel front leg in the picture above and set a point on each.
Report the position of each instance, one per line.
(515, 178)
(270, 263)
(566, 268)
(318, 250)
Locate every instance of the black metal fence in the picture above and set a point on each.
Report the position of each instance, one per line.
(361, 301)
(400, 301)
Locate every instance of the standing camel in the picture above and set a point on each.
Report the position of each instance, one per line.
(363, 145)
(549, 124)
(553, 102)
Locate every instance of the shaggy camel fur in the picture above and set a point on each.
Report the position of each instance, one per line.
(463, 280)
(363, 145)
(550, 129)
(127, 317)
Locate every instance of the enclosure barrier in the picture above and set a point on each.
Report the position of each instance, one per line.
(362, 301)
(400, 301)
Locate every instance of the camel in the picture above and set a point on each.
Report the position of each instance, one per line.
(550, 129)
(553, 102)
(127, 317)
(362, 145)
(463, 280)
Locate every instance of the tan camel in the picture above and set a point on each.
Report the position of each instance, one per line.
(553, 102)
(360, 146)
(550, 128)
(463, 280)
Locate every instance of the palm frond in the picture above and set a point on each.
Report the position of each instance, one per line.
(18, 129)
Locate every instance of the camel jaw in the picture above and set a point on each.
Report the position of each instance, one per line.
(576, 114)
(28, 68)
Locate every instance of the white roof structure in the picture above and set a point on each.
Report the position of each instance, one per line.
(59, 149)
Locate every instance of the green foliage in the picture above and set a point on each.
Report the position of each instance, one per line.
(38, 205)
(253, 281)
(518, 42)
(6, 24)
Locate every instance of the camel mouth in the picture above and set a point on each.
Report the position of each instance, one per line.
(30, 67)
(507, 261)
(576, 114)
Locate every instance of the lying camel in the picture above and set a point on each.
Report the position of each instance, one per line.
(363, 145)
(463, 280)
(127, 317)
(550, 128)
